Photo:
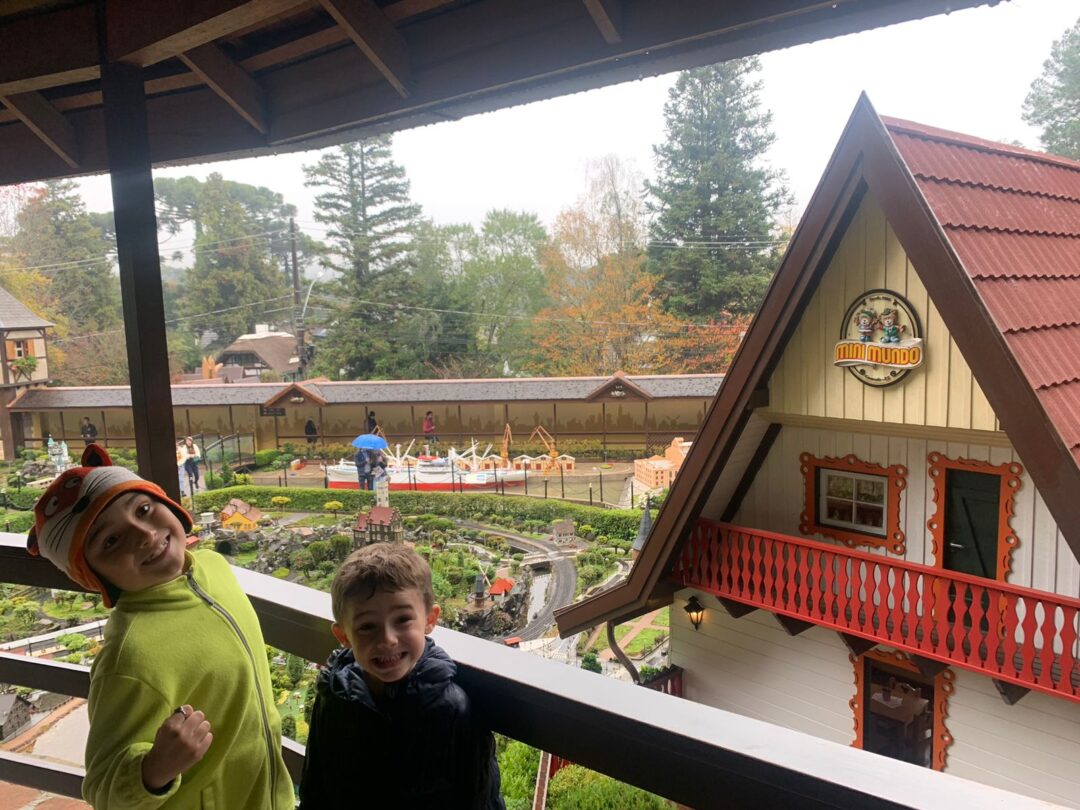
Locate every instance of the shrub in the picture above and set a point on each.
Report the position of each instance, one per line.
(242, 479)
(280, 500)
(591, 662)
(341, 545)
(320, 550)
(280, 573)
(577, 788)
(266, 458)
(288, 727)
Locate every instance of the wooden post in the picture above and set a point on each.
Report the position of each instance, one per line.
(128, 150)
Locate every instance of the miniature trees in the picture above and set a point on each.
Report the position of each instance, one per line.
(333, 507)
(591, 662)
(280, 501)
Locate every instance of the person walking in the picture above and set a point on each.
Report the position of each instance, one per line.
(189, 454)
(88, 431)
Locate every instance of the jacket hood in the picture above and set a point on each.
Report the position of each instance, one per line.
(343, 679)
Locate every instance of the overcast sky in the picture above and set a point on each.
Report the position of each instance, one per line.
(968, 71)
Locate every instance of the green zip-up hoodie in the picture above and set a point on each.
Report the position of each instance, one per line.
(193, 640)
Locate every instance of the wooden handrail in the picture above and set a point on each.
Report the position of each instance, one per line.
(687, 752)
(1013, 634)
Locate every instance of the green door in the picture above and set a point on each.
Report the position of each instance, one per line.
(971, 522)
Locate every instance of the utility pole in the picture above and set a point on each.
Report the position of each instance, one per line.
(298, 321)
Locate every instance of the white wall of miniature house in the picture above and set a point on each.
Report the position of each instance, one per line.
(938, 407)
(28, 343)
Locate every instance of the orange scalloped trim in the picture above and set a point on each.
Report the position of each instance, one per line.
(894, 539)
(944, 686)
(1010, 474)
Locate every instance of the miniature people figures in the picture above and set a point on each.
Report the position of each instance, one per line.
(88, 430)
(429, 428)
(889, 326)
(865, 322)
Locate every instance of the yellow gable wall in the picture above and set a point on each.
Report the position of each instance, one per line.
(941, 393)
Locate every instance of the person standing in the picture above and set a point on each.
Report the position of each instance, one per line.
(372, 422)
(429, 428)
(365, 470)
(312, 433)
(189, 452)
(88, 431)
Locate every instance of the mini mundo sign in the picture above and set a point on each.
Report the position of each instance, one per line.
(880, 339)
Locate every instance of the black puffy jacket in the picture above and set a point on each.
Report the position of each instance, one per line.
(417, 747)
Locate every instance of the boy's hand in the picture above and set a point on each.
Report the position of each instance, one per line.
(181, 741)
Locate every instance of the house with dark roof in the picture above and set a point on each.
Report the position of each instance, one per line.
(24, 362)
(14, 714)
(875, 535)
(264, 350)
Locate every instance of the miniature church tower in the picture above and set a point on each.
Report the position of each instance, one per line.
(643, 529)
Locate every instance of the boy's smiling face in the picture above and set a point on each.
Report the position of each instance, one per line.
(136, 542)
(386, 632)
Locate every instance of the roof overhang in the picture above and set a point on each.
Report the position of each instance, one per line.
(237, 78)
(295, 394)
(618, 387)
(865, 158)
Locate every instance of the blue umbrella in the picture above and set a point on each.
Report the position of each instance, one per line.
(370, 441)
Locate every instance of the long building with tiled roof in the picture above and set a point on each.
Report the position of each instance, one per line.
(631, 411)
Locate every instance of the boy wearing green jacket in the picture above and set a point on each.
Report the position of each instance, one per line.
(181, 708)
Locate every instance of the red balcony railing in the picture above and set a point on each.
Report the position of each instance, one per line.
(1012, 634)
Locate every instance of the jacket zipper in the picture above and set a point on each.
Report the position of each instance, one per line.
(267, 736)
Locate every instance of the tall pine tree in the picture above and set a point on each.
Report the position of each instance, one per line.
(370, 230)
(1054, 100)
(714, 201)
(57, 235)
(235, 281)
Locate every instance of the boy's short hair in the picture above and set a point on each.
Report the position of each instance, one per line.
(380, 566)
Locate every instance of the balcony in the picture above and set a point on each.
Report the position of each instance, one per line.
(1022, 638)
(690, 753)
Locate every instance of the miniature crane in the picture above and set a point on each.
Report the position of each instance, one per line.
(549, 445)
(505, 450)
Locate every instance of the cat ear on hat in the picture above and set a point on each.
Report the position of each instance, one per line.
(96, 456)
(32, 543)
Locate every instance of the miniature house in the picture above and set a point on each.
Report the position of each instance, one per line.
(14, 714)
(886, 553)
(500, 589)
(382, 525)
(563, 532)
(657, 472)
(24, 363)
(240, 516)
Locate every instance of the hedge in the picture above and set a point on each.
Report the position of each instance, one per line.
(618, 524)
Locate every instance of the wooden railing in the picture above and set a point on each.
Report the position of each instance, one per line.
(1016, 635)
(684, 751)
(668, 681)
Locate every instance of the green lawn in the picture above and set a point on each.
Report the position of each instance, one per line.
(645, 640)
(84, 610)
(662, 619)
(312, 521)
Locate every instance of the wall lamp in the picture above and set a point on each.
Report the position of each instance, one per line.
(695, 610)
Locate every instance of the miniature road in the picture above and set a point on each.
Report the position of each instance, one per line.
(561, 586)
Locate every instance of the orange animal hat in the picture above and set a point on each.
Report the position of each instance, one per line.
(71, 504)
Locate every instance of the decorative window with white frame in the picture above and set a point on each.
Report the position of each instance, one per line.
(853, 501)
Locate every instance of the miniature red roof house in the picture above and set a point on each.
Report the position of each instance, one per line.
(240, 516)
(382, 525)
(886, 490)
(500, 589)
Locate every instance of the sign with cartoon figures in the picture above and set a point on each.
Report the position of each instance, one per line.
(880, 339)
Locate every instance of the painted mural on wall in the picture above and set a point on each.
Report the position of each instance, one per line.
(881, 339)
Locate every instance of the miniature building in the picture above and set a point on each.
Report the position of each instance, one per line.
(478, 598)
(657, 472)
(261, 351)
(501, 588)
(565, 461)
(14, 714)
(563, 532)
(524, 462)
(23, 363)
(240, 516)
(382, 525)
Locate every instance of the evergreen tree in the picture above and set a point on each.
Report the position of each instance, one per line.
(235, 281)
(713, 201)
(1054, 100)
(370, 227)
(55, 233)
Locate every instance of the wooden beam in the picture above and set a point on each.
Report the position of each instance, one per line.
(750, 473)
(735, 610)
(143, 38)
(128, 149)
(929, 667)
(230, 81)
(71, 55)
(856, 645)
(1010, 692)
(48, 123)
(792, 627)
(373, 33)
(607, 14)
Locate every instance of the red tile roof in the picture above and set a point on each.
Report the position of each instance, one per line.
(1013, 218)
(500, 586)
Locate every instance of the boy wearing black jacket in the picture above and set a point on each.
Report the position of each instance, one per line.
(390, 727)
